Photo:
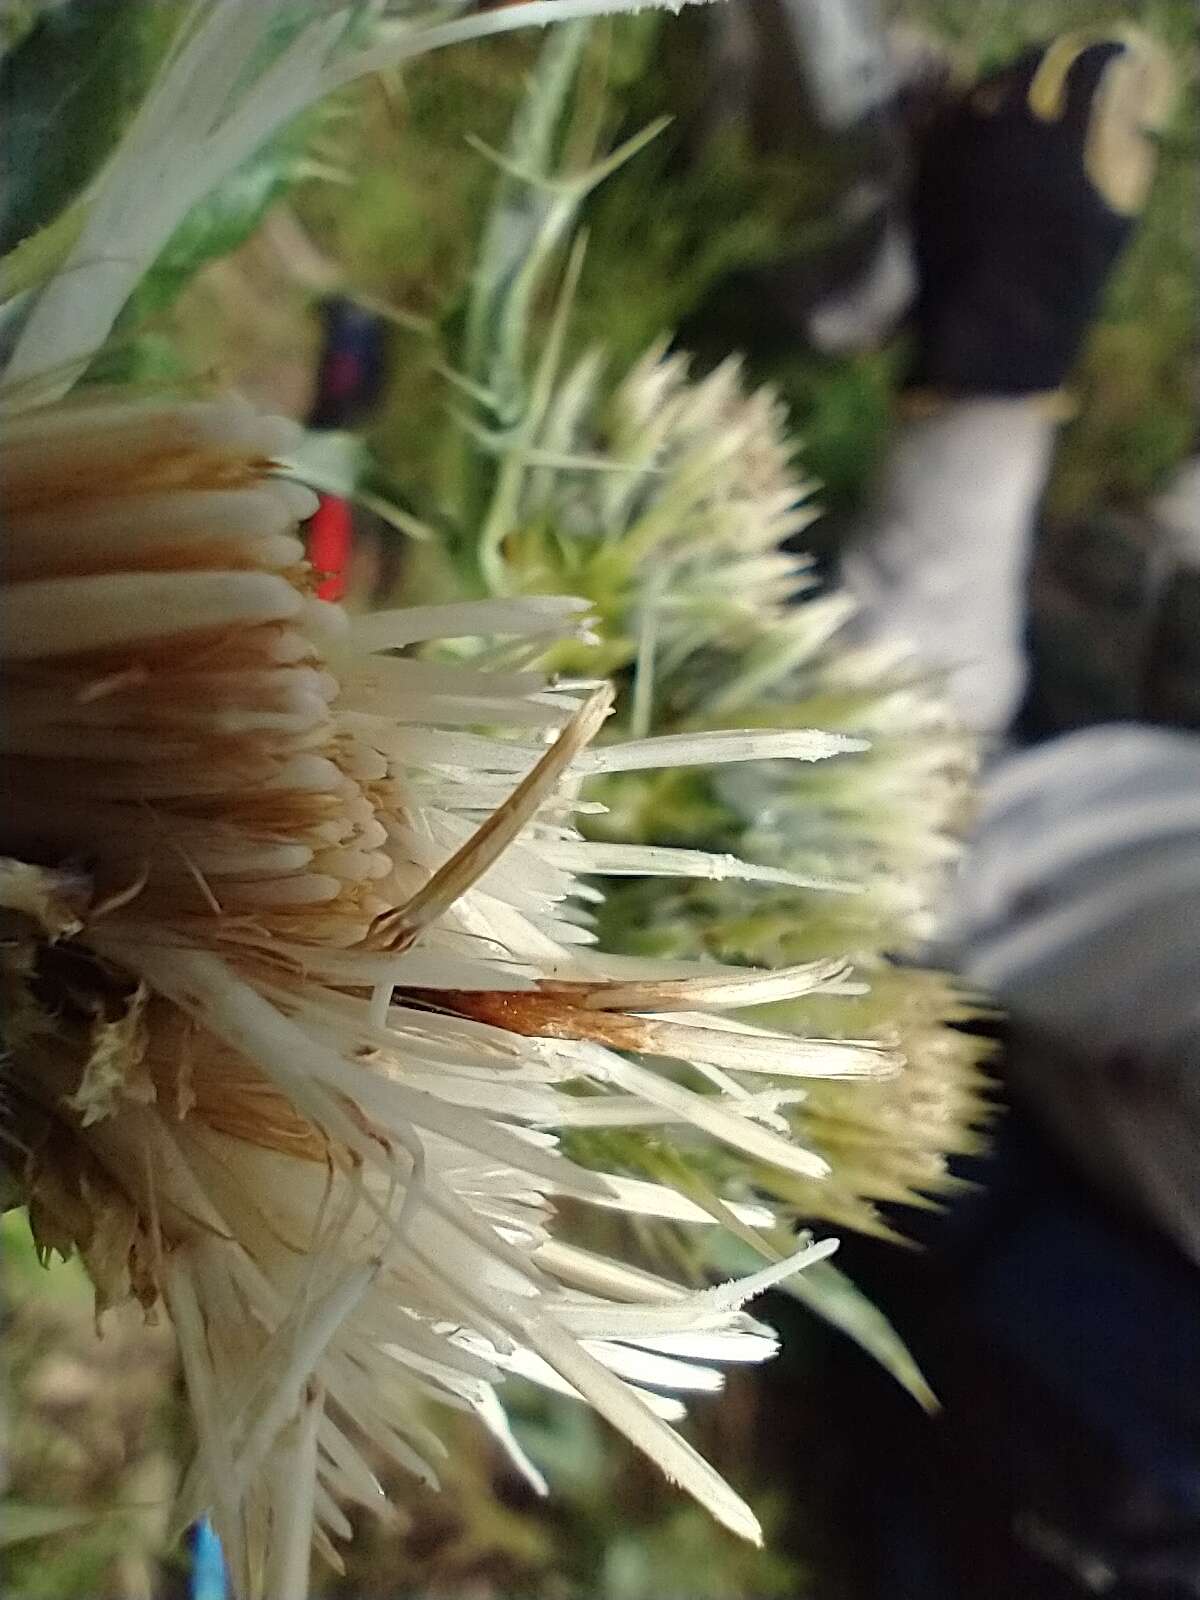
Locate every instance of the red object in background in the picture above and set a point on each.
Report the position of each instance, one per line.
(330, 536)
(350, 378)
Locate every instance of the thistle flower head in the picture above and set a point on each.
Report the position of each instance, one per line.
(664, 499)
(673, 519)
(667, 500)
(300, 982)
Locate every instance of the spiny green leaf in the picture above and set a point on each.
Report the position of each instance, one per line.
(833, 1297)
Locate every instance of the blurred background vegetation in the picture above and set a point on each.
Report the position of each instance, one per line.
(671, 227)
(386, 187)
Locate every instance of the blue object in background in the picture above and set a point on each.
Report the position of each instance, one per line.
(1063, 1337)
(352, 370)
(209, 1578)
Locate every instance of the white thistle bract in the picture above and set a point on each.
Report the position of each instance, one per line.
(299, 984)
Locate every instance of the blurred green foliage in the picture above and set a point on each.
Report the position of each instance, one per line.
(89, 1435)
(669, 232)
(611, 1531)
(403, 215)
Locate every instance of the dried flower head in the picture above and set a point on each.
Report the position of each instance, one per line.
(299, 984)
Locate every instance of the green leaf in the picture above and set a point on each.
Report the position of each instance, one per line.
(527, 224)
(829, 1294)
(67, 90)
(38, 256)
(838, 1301)
(224, 221)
